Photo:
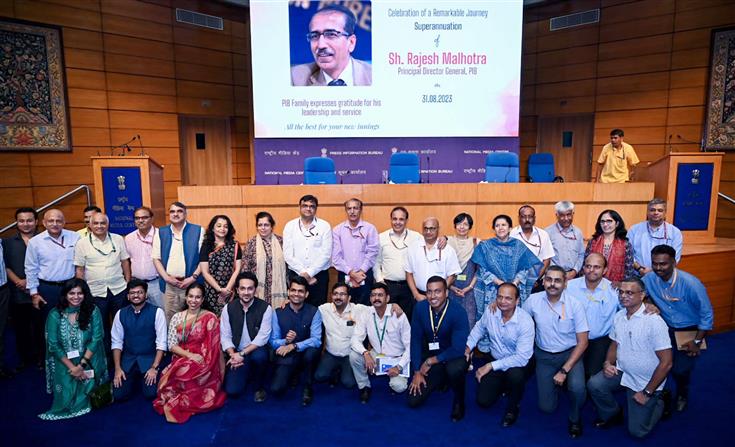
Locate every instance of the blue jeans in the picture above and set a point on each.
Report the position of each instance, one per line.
(254, 368)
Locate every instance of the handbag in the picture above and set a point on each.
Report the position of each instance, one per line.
(101, 396)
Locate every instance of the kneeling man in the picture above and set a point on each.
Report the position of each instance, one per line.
(439, 329)
(389, 334)
(245, 328)
(138, 343)
(638, 360)
(510, 332)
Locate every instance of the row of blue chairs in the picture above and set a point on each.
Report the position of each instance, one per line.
(500, 167)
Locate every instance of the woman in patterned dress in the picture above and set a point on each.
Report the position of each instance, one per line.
(220, 260)
(611, 240)
(192, 382)
(75, 355)
(264, 257)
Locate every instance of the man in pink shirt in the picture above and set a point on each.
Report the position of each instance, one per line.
(139, 244)
(354, 250)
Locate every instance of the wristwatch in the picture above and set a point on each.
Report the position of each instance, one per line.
(647, 393)
(698, 342)
(563, 371)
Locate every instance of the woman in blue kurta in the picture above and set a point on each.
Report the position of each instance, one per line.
(502, 259)
(75, 356)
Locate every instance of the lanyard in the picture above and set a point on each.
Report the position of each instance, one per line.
(528, 241)
(435, 328)
(426, 255)
(184, 334)
(381, 334)
(100, 251)
(405, 245)
(59, 244)
(561, 315)
(311, 234)
(137, 233)
(666, 291)
(561, 231)
(650, 232)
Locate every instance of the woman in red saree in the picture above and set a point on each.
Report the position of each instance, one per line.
(192, 383)
(610, 240)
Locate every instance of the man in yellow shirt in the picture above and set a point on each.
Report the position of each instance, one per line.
(616, 159)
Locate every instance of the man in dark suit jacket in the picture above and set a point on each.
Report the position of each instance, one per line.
(332, 39)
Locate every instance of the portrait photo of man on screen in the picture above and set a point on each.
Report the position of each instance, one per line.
(332, 40)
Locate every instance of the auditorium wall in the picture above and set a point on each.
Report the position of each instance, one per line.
(642, 68)
(132, 69)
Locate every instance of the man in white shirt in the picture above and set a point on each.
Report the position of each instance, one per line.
(338, 318)
(245, 329)
(638, 360)
(425, 259)
(389, 334)
(139, 244)
(389, 265)
(307, 249)
(537, 240)
(102, 260)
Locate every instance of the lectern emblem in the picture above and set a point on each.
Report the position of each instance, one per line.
(121, 182)
(695, 176)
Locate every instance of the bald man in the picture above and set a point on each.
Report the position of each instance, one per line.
(425, 259)
(102, 260)
(49, 262)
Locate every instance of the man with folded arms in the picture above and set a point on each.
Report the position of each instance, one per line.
(686, 309)
(389, 334)
(439, 330)
(138, 343)
(245, 328)
(638, 360)
(510, 332)
(296, 337)
(561, 339)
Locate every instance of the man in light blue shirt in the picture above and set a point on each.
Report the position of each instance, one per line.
(50, 261)
(685, 307)
(638, 360)
(510, 332)
(567, 240)
(600, 302)
(296, 336)
(561, 339)
(643, 236)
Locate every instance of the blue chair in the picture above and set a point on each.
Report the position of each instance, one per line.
(541, 168)
(404, 168)
(502, 167)
(319, 171)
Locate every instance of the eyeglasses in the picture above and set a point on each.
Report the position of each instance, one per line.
(142, 217)
(628, 292)
(607, 221)
(431, 228)
(329, 34)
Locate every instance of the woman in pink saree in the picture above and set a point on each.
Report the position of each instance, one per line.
(192, 383)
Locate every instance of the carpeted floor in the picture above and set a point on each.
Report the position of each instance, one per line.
(337, 418)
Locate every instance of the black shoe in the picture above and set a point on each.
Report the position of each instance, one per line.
(365, 395)
(617, 419)
(333, 381)
(307, 397)
(681, 403)
(575, 429)
(260, 396)
(510, 418)
(5, 374)
(668, 405)
(457, 411)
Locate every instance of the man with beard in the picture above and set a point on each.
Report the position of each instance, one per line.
(245, 328)
(535, 239)
(138, 343)
(654, 231)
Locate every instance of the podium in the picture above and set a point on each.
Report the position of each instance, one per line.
(122, 184)
(689, 182)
